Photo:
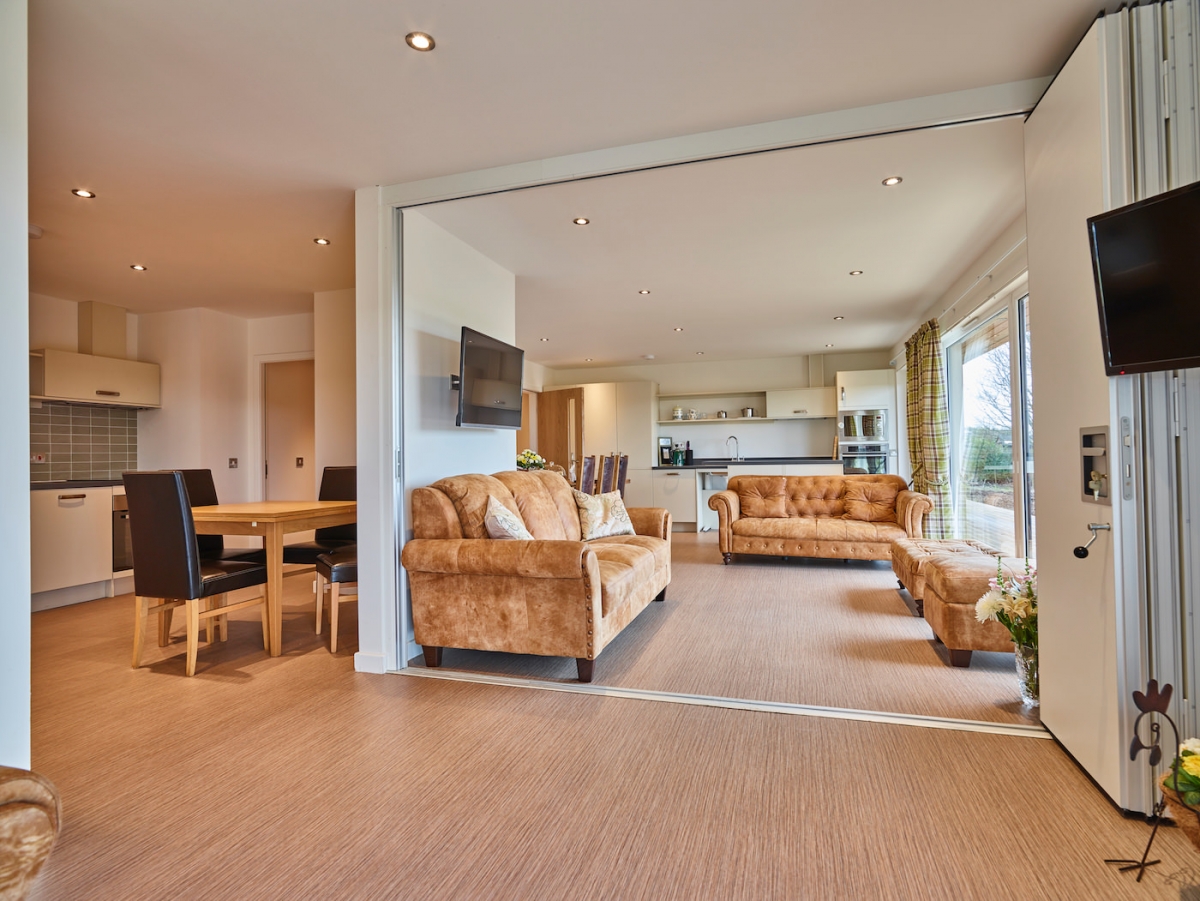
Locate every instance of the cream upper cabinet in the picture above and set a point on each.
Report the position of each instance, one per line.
(599, 419)
(868, 389)
(802, 403)
(84, 378)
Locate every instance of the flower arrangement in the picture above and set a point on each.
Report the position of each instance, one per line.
(527, 459)
(1013, 604)
(1184, 777)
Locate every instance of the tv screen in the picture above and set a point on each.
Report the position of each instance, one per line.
(1146, 258)
(489, 392)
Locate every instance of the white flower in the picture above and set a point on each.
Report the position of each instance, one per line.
(988, 606)
(1192, 744)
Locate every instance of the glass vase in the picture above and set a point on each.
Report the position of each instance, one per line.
(1027, 673)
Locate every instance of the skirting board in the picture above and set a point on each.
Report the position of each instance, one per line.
(369, 663)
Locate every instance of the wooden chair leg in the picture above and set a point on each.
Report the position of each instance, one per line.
(210, 624)
(141, 608)
(164, 626)
(334, 602)
(320, 601)
(193, 633)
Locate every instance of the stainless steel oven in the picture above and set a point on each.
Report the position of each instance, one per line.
(865, 458)
(122, 556)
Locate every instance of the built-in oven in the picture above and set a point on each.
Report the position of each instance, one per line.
(122, 558)
(863, 425)
(865, 458)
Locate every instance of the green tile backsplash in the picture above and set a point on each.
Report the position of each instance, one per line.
(81, 442)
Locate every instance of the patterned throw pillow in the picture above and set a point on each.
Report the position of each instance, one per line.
(501, 523)
(602, 515)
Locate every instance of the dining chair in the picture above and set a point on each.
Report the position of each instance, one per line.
(608, 473)
(335, 570)
(622, 474)
(338, 483)
(587, 475)
(202, 492)
(167, 566)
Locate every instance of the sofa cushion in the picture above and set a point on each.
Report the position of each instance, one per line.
(798, 527)
(504, 525)
(659, 547)
(870, 501)
(469, 494)
(763, 496)
(623, 567)
(533, 493)
(853, 530)
(815, 496)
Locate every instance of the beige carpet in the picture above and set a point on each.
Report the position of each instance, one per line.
(822, 632)
(295, 777)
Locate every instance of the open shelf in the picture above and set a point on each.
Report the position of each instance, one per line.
(711, 421)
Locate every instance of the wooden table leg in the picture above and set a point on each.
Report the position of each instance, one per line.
(273, 545)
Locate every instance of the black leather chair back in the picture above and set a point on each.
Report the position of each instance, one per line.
(339, 483)
(166, 560)
(202, 492)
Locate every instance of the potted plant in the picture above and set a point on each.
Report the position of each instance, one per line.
(527, 460)
(1013, 604)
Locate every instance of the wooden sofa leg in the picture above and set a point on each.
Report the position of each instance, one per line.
(728, 559)
(585, 668)
(959, 657)
(661, 596)
(433, 655)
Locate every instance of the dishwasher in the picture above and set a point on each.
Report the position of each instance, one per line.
(122, 550)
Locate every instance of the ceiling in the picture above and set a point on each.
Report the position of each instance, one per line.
(750, 256)
(222, 137)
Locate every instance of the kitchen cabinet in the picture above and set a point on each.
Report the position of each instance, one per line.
(639, 488)
(823, 468)
(84, 378)
(868, 389)
(70, 537)
(802, 403)
(676, 491)
(637, 431)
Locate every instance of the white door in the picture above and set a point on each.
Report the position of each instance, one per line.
(288, 432)
(599, 419)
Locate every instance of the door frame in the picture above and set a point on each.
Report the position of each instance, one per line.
(258, 412)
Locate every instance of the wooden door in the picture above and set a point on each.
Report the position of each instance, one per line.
(527, 434)
(289, 432)
(560, 427)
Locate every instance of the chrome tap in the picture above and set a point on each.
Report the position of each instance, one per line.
(737, 450)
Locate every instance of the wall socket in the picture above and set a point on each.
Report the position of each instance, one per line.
(37, 458)
(233, 462)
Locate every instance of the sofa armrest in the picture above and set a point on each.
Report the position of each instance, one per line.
(728, 506)
(652, 521)
(487, 557)
(911, 509)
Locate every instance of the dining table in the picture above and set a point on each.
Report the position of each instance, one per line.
(273, 520)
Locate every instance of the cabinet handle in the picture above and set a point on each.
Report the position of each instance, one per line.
(72, 497)
(799, 411)
(671, 474)
(109, 393)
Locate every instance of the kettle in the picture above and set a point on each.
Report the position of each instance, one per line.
(749, 412)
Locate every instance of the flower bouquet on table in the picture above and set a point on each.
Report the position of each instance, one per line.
(1013, 604)
(1181, 789)
(527, 460)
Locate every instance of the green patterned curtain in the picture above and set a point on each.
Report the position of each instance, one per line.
(929, 424)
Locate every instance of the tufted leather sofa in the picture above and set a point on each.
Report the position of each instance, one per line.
(557, 595)
(853, 517)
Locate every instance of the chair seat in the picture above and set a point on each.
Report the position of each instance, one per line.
(340, 566)
(221, 576)
(307, 552)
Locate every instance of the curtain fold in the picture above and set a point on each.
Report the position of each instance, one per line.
(929, 424)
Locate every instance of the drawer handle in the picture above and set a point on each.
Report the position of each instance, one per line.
(109, 393)
(799, 411)
(672, 474)
(72, 497)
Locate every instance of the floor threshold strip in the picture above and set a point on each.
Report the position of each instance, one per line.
(667, 697)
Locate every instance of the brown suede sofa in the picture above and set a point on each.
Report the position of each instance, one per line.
(556, 596)
(853, 517)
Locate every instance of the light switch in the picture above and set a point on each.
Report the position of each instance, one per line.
(299, 462)
(233, 462)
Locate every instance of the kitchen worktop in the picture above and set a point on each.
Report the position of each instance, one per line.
(707, 463)
(75, 483)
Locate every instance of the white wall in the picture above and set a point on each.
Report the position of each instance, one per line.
(14, 375)
(333, 356)
(1065, 178)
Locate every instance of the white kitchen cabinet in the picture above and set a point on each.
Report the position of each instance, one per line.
(639, 488)
(802, 403)
(676, 491)
(600, 419)
(637, 430)
(821, 468)
(84, 378)
(868, 389)
(70, 537)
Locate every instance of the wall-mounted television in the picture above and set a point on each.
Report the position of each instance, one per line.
(489, 382)
(1146, 259)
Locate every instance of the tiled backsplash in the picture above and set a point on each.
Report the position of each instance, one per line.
(81, 442)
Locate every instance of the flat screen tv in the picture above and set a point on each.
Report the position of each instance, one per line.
(1146, 258)
(489, 382)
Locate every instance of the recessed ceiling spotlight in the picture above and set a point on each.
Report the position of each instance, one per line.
(643, 291)
(82, 192)
(699, 353)
(829, 345)
(892, 180)
(587, 359)
(321, 241)
(419, 40)
(138, 267)
(679, 328)
(856, 272)
(838, 318)
(580, 220)
(647, 356)
(543, 339)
